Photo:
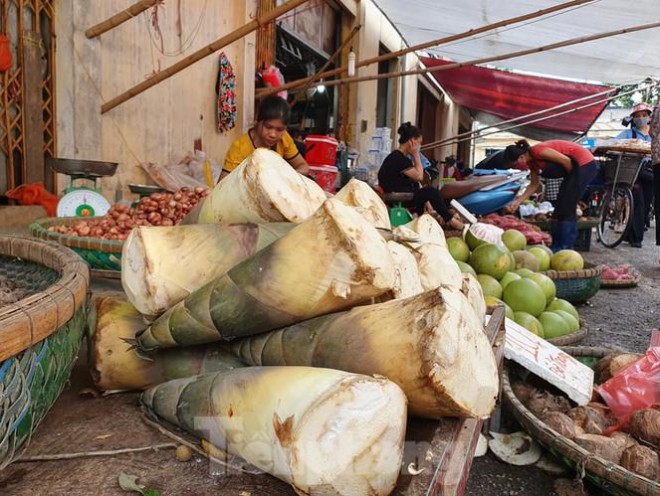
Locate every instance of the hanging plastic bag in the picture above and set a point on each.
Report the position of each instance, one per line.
(272, 76)
(5, 54)
(635, 387)
(35, 194)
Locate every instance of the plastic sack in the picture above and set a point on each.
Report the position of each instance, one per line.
(5, 54)
(35, 194)
(203, 169)
(272, 76)
(635, 387)
(172, 177)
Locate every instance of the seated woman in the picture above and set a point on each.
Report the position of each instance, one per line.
(269, 132)
(398, 174)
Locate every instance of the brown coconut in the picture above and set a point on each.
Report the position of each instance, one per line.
(602, 446)
(608, 366)
(592, 420)
(645, 426)
(561, 423)
(542, 402)
(641, 460)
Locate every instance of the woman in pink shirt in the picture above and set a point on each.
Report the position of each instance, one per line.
(557, 159)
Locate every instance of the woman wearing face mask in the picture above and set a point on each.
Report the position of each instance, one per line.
(400, 174)
(643, 188)
(269, 132)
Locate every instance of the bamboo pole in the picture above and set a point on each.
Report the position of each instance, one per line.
(329, 61)
(457, 139)
(220, 43)
(119, 18)
(510, 55)
(435, 144)
(422, 46)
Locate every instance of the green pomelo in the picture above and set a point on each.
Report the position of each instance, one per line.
(490, 286)
(544, 248)
(564, 305)
(508, 277)
(514, 240)
(480, 233)
(525, 260)
(554, 326)
(512, 260)
(508, 312)
(466, 268)
(529, 322)
(458, 249)
(567, 260)
(542, 256)
(490, 259)
(546, 284)
(491, 301)
(523, 272)
(573, 323)
(524, 295)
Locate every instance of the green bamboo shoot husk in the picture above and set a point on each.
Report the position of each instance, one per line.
(432, 345)
(263, 188)
(163, 265)
(322, 431)
(333, 261)
(115, 366)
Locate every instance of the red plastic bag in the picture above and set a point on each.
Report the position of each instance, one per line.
(635, 387)
(272, 76)
(5, 54)
(35, 194)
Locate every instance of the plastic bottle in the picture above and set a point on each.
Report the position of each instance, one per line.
(351, 63)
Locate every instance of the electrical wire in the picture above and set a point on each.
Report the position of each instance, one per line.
(185, 45)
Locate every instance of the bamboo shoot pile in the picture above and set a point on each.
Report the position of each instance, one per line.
(263, 188)
(162, 265)
(333, 261)
(322, 431)
(432, 345)
(115, 366)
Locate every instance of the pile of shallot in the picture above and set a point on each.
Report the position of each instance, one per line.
(158, 209)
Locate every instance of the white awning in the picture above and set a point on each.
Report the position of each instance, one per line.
(621, 59)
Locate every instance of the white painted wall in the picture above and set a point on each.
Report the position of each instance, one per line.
(161, 124)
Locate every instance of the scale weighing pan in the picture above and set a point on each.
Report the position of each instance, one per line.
(75, 167)
(145, 189)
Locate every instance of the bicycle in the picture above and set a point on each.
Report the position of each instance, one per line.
(615, 201)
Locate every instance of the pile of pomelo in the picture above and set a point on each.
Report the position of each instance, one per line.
(510, 273)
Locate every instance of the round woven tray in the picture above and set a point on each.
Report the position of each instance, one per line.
(611, 477)
(576, 286)
(569, 339)
(102, 254)
(40, 334)
(607, 284)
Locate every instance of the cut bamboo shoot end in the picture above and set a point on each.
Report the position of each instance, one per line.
(365, 200)
(263, 188)
(515, 449)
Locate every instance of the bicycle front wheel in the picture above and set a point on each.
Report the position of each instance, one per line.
(615, 216)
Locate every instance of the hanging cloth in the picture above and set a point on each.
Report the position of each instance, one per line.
(5, 54)
(225, 89)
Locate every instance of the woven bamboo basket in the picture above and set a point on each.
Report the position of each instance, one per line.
(574, 337)
(100, 254)
(576, 286)
(612, 478)
(39, 335)
(607, 284)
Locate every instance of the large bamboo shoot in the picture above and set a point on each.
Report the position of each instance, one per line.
(408, 282)
(115, 366)
(323, 431)
(263, 188)
(475, 295)
(162, 265)
(360, 195)
(435, 263)
(333, 261)
(432, 345)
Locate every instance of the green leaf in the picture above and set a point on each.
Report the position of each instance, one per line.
(151, 492)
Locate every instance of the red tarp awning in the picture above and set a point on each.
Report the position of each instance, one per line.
(506, 95)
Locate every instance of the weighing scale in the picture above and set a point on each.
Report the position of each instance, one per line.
(144, 190)
(81, 199)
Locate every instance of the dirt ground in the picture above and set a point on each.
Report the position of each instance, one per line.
(80, 423)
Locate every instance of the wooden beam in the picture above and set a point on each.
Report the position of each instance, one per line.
(220, 43)
(120, 18)
(422, 46)
(34, 169)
